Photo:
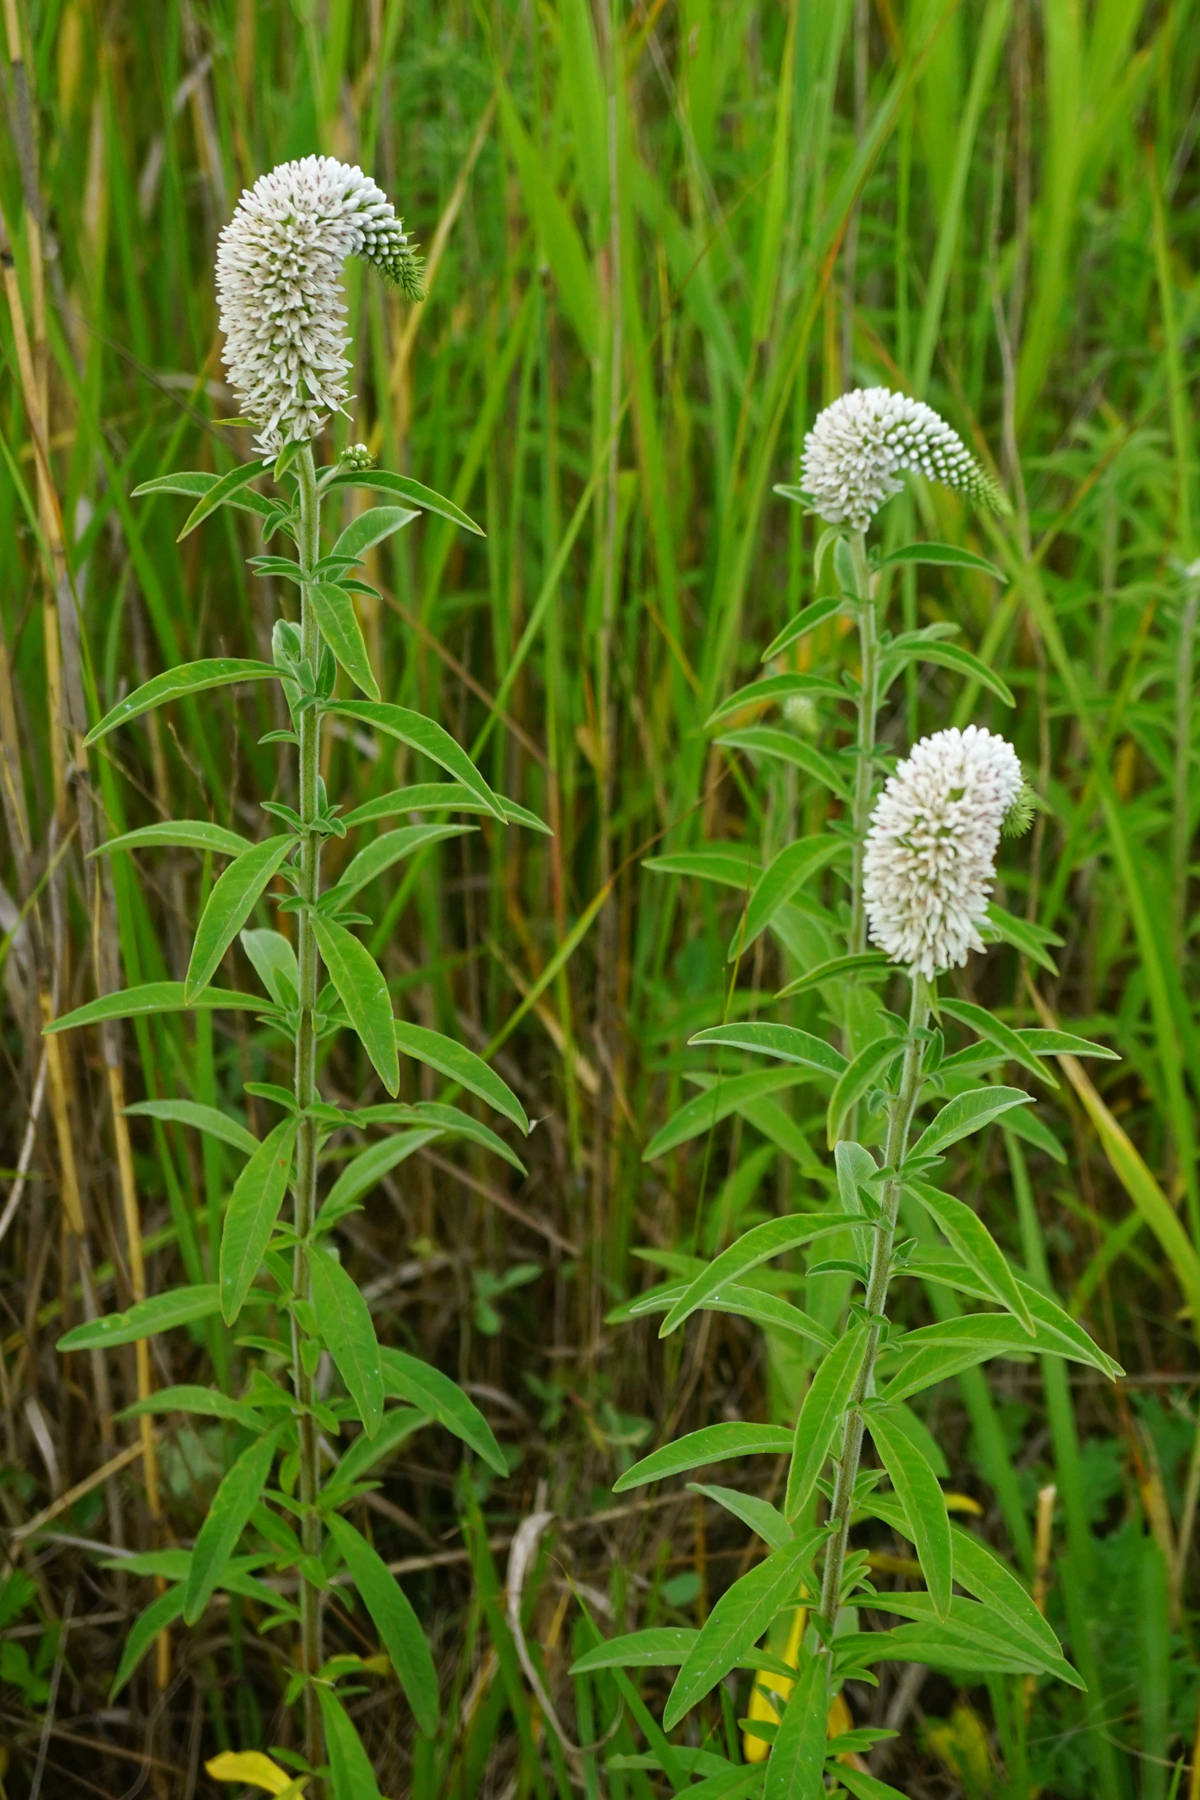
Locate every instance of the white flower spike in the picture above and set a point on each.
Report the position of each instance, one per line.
(930, 854)
(279, 263)
(861, 445)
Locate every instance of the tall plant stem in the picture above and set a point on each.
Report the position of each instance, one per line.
(868, 708)
(309, 732)
(900, 1114)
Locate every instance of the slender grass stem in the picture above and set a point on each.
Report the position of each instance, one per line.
(900, 1114)
(868, 709)
(305, 1088)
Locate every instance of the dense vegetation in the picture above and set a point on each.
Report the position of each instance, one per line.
(658, 243)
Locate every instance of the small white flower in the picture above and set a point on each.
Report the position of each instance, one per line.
(279, 263)
(930, 852)
(861, 445)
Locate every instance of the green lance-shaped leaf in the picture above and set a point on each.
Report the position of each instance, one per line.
(348, 1333)
(182, 834)
(146, 1627)
(969, 1236)
(349, 1764)
(659, 1647)
(230, 905)
(459, 1064)
(973, 1636)
(439, 796)
(820, 1416)
(153, 997)
(986, 1026)
(367, 1168)
(924, 1505)
(870, 965)
(737, 1621)
(146, 1318)
(947, 656)
(226, 488)
(394, 1619)
(774, 1237)
(727, 1094)
(274, 962)
(785, 746)
(251, 1214)
(382, 481)
(805, 621)
(857, 1079)
(727, 865)
(423, 735)
(772, 691)
(172, 684)
(442, 1399)
(364, 994)
(339, 626)
(206, 1403)
(712, 1443)
(944, 555)
(370, 528)
(228, 1513)
(195, 483)
(765, 1520)
(209, 1119)
(867, 1787)
(387, 849)
(442, 1117)
(967, 1113)
(787, 1043)
(783, 877)
(798, 1752)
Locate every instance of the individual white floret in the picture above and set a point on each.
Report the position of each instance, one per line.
(279, 263)
(860, 446)
(930, 855)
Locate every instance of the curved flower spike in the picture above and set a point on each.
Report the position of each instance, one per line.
(859, 446)
(279, 263)
(930, 855)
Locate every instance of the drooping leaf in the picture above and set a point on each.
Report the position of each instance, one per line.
(712, 1443)
(459, 1064)
(967, 1234)
(660, 1647)
(728, 1094)
(784, 746)
(966, 1113)
(945, 555)
(820, 1415)
(871, 965)
(185, 834)
(364, 994)
(229, 906)
(370, 528)
(382, 481)
(194, 483)
(152, 997)
(204, 1402)
(228, 1512)
(444, 1118)
(924, 1506)
(737, 1621)
(947, 656)
(423, 735)
(787, 1043)
(387, 849)
(146, 1318)
(252, 1768)
(995, 1031)
(337, 620)
(729, 865)
(395, 1621)
(172, 684)
(772, 690)
(251, 1214)
(209, 1119)
(348, 1333)
(440, 796)
(442, 1399)
(226, 489)
(762, 1518)
(774, 1237)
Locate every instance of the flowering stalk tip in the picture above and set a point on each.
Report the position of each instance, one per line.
(279, 263)
(861, 445)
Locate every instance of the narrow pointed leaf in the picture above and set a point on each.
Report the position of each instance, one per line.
(784, 746)
(229, 906)
(228, 1512)
(805, 621)
(820, 1416)
(224, 489)
(740, 1617)
(386, 850)
(394, 1619)
(762, 1518)
(995, 1031)
(366, 1169)
(350, 1766)
(459, 1064)
(772, 690)
(783, 877)
(195, 483)
(967, 1234)
(946, 656)
(146, 1318)
(945, 555)
(798, 1752)
(967, 1113)
(382, 481)
(727, 1094)
(370, 528)
(274, 962)
(251, 1214)
(444, 1118)
(205, 1403)
(712, 1443)
(160, 1614)
(348, 1333)
(870, 964)
(188, 678)
(857, 1079)
(339, 626)
(659, 1647)
(440, 796)
(920, 1495)
(364, 994)
(442, 1399)
(186, 834)
(423, 735)
(774, 1237)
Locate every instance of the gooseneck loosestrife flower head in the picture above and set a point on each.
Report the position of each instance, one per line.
(931, 847)
(860, 446)
(279, 265)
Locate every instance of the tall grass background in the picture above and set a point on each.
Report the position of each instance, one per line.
(660, 237)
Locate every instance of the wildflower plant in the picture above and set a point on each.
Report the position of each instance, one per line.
(897, 1094)
(308, 1446)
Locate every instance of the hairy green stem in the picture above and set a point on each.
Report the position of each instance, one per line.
(900, 1114)
(868, 709)
(309, 731)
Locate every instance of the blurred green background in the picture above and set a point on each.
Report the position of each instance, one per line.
(660, 237)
